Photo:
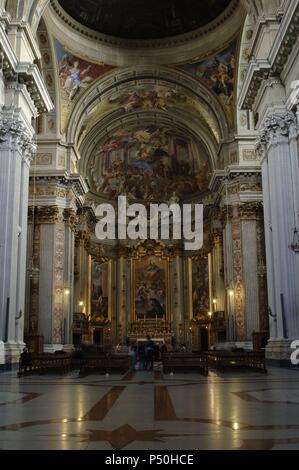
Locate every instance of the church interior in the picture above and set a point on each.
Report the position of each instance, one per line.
(141, 344)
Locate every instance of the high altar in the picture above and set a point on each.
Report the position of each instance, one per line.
(150, 288)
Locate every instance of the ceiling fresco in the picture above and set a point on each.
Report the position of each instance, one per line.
(76, 74)
(149, 163)
(143, 19)
(151, 97)
(218, 73)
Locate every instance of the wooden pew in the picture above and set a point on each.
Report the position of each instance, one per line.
(224, 360)
(105, 363)
(184, 362)
(44, 363)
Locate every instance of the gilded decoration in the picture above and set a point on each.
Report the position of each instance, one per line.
(238, 275)
(58, 286)
(100, 298)
(96, 251)
(150, 281)
(200, 288)
(70, 218)
(46, 214)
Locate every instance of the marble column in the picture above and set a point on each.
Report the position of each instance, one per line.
(278, 147)
(15, 155)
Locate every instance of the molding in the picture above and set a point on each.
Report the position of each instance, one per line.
(135, 43)
(120, 52)
(278, 56)
(27, 74)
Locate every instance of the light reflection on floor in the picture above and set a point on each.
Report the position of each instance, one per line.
(150, 411)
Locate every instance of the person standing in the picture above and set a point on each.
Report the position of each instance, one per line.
(149, 354)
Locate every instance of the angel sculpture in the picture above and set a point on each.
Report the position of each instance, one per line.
(72, 77)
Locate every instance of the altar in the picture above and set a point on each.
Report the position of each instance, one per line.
(159, 331)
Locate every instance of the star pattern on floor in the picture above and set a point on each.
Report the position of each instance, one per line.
(124, 435)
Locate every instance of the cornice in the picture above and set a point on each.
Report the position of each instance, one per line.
(118, 52)
(75, 182)
(260, 70)
(25, 73)
(156, 43)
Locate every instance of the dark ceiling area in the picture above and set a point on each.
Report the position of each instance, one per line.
(144, 19)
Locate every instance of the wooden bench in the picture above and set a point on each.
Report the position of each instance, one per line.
(185, 362)
(43, 363)
(223, 360)
(105, 363)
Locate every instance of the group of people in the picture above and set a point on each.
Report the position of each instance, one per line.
(146, 354)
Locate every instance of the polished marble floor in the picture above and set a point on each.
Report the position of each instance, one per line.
(146, 410)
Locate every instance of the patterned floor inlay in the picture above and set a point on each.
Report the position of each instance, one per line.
(149, 410)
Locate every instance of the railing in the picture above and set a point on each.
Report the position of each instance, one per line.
(184, 362)
(222, 360)
(41, 363)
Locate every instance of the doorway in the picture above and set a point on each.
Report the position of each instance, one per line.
(204, 339)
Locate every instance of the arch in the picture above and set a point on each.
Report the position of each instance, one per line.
(119, 78)
(29, 11)
(108, 127)
(49, 73)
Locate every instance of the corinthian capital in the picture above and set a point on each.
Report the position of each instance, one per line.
(275, 127)
(15, 131)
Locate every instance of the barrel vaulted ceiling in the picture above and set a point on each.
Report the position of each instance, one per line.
(143, 128)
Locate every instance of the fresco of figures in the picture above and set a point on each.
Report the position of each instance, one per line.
(99, 292)
(218, 73)
(149, 163)
(150, 288)
(200, 288)
(151, 97)
(75, 75)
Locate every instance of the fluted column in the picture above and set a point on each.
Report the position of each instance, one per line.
(51, 281)
(249, 213)
(278, 147)
(15, 155)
